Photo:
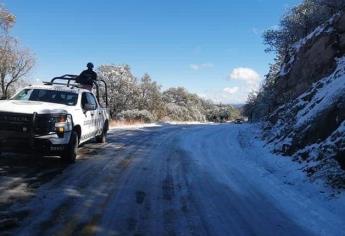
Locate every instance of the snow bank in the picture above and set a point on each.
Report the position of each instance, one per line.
(127, 126)
(187, 123)
(239, 161)
(134, 126)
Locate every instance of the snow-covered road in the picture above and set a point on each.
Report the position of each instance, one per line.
(178, 180)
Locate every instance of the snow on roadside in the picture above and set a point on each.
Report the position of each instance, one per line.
(284, 178)
(135, 126)
(285, 168)
(317, 198)
(158, 124)
(233, 149)
(187, 123)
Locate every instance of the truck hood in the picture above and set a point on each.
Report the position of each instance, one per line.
(29, 107)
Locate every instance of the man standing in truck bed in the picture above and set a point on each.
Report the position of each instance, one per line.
(87, 77)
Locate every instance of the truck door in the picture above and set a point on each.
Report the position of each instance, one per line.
(98, 116)
(90, 109)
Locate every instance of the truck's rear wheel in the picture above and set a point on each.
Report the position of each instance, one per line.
(70, 154)
(102, 138)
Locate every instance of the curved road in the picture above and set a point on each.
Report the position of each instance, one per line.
(172, 180)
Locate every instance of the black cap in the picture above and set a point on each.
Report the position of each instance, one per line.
(89, 65)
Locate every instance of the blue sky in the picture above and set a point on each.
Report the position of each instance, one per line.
(213, 48)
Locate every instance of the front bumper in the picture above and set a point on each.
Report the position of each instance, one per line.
(46, 144)
(31, 132)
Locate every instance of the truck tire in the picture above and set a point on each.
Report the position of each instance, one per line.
(102, 138)
(70, 154)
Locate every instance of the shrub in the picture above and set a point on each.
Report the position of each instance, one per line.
(135, 115)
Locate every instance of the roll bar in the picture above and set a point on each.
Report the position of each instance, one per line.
(72, 78)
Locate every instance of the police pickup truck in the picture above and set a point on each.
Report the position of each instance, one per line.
(53, 119)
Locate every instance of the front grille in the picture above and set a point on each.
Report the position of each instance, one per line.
(23, 123)
(44, 124)
(15, 127)
(15, 117)
(16, 122)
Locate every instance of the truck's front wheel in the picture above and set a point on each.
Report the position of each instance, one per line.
(70, 154)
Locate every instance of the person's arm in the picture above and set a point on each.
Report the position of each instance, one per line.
(78, 78)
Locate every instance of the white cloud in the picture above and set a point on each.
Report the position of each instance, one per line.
(243, 80)
(223, 96)
(232, 90)
(232, 95)
(248, 75)
(197, 67)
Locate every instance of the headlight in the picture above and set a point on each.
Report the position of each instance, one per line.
(63, 123)
(53, 123)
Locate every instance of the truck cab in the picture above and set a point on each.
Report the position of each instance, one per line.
(52, 119)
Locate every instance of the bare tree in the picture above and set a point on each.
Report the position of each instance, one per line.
(7, 19)
(15, 62)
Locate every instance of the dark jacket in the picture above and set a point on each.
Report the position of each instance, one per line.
(87, 77)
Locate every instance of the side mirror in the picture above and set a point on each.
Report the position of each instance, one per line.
(89, 107)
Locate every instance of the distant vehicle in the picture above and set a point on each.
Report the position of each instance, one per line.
(53, 119)
(238, 121)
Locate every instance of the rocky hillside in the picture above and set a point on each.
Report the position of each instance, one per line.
(312, 58)
(308, 122)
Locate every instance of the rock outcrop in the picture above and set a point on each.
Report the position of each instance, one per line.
(309, 122)
(312, 58)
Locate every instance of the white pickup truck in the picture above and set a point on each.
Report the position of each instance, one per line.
(52, 119)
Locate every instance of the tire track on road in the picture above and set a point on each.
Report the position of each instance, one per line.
(103, 180)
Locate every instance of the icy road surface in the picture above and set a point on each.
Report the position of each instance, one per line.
(169, 180)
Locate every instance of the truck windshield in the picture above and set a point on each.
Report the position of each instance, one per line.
(44, 95)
